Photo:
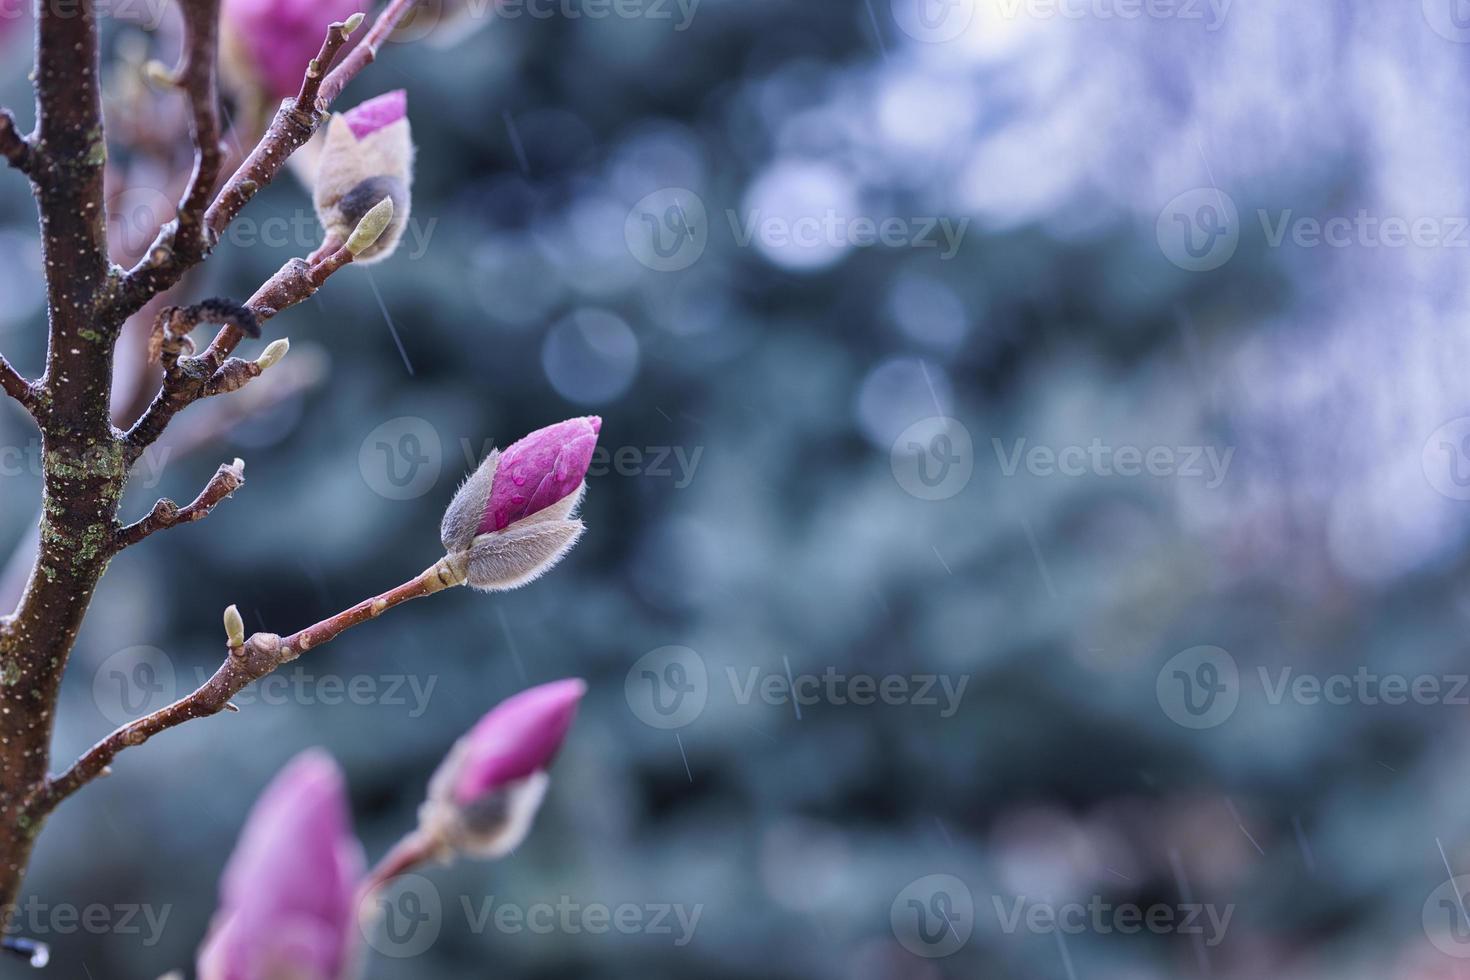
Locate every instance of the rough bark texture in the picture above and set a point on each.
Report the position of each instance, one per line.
(82, 455)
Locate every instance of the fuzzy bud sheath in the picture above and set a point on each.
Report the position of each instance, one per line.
(515, 516)
(367, 156)
(287, 897)
(483, 798)
(267, 44)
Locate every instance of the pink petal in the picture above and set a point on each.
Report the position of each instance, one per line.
(374, 114)
(294, 873)
(519, 736)
(282, 36)
(539, 470)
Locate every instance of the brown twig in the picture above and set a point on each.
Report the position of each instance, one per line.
(16, 386)
(445, 573)
(13, 146)
(303, 371)
(295, 122)
(170, 336)
(295, 282)
(214, 372)
(250, 661)
(198, 76)
(166, 514)
(316, 70)
(365, 53)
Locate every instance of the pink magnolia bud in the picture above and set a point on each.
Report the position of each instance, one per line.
(367, 156)
(513, 516)
(287, 894)
(272, 41)
(546, 466)
(485, 794)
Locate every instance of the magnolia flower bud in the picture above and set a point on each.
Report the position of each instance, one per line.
(371, 227)
(234, 627)
(273, 353)
(514, 515)
(287, 894)
(485, 794)
(367, 158)
(269, 43)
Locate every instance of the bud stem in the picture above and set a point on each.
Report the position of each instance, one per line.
(414, 850)
(447, 571)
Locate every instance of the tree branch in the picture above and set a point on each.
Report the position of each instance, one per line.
(295, 282)
(73, 219)
(83, 476)
(295, 122)
(365, 53)
(316, 70)
(245, 663)
(13, 146)
(198, 76)
(166, 514)
(447, 572)
(304, 371)
(214, 371)
(16, 386)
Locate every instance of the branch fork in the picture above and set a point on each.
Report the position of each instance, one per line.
(14, 384)
(166, 514)
(14, 147)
